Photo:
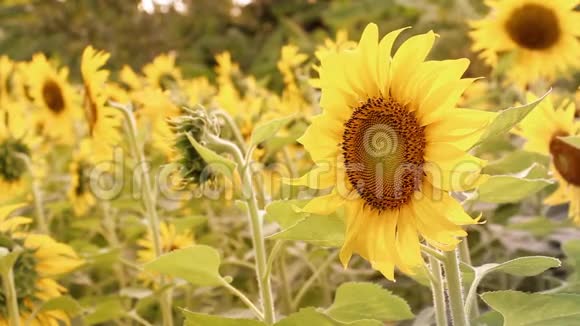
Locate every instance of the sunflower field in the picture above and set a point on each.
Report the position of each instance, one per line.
(290, 163)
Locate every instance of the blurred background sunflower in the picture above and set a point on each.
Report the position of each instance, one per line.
(40, 262)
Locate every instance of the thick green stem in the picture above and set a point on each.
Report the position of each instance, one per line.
(149, 201)
(255, 220)
(438, 292)
(11, 298)
(472, 308)
(455, 288)
(234, 129)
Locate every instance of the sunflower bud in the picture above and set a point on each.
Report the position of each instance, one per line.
(196, 123)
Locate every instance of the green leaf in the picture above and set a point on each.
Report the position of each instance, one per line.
(355, 301)
(507, 119)
(197, 264)
(268, 129)
(310, 316)
(538, 226)
(572, 251)
(216, 161)
(490, 318)
(286, 212)
(527, 309)
(572, 141)
(327, 231)
(512, 188)
(307, 316)
(198, 319)
(514, 162)
(523, 266)
(104, 309)
(64, 303)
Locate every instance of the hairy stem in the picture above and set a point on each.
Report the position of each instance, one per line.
(149, 200)
(472, 308)
(255, 220)
(438, 292)
(11, 298)
(455, 288)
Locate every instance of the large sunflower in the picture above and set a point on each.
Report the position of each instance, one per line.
(103, 121)
(53, 96)
(40, 261)
(541, 129)
(391, 144)
(543, 36)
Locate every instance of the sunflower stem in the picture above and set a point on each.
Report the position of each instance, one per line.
(255, 220)
(472, 308)
(234, 129)
(149, 201)
(11, 299)
(438, 292)
(454, 288)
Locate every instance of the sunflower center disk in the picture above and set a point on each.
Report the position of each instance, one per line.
(383, 148)
(52, 95)
(566, 160)
(533, 27)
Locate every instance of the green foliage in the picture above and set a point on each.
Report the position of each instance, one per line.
(197, 264)
(356, 301)
(216, 161)
(103, 309)
(286, 212)
(527, 309)
(325, 231)
(64, 303)
(197, 319)
(513, 188)
(507, 119)
(266, 130)
(523, 266)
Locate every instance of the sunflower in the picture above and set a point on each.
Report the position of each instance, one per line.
(156, 108)
(332, 46)
(103, 121)
(6, 71)
(541, 128)
(228, 96)
(52, 94)
(15, 143)
(171, 239)
(542, 35)
(199, 91)
(129, 78)
(40, 261)
(290, 66)
(391, 145)
(162, 72)
(79, 193)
